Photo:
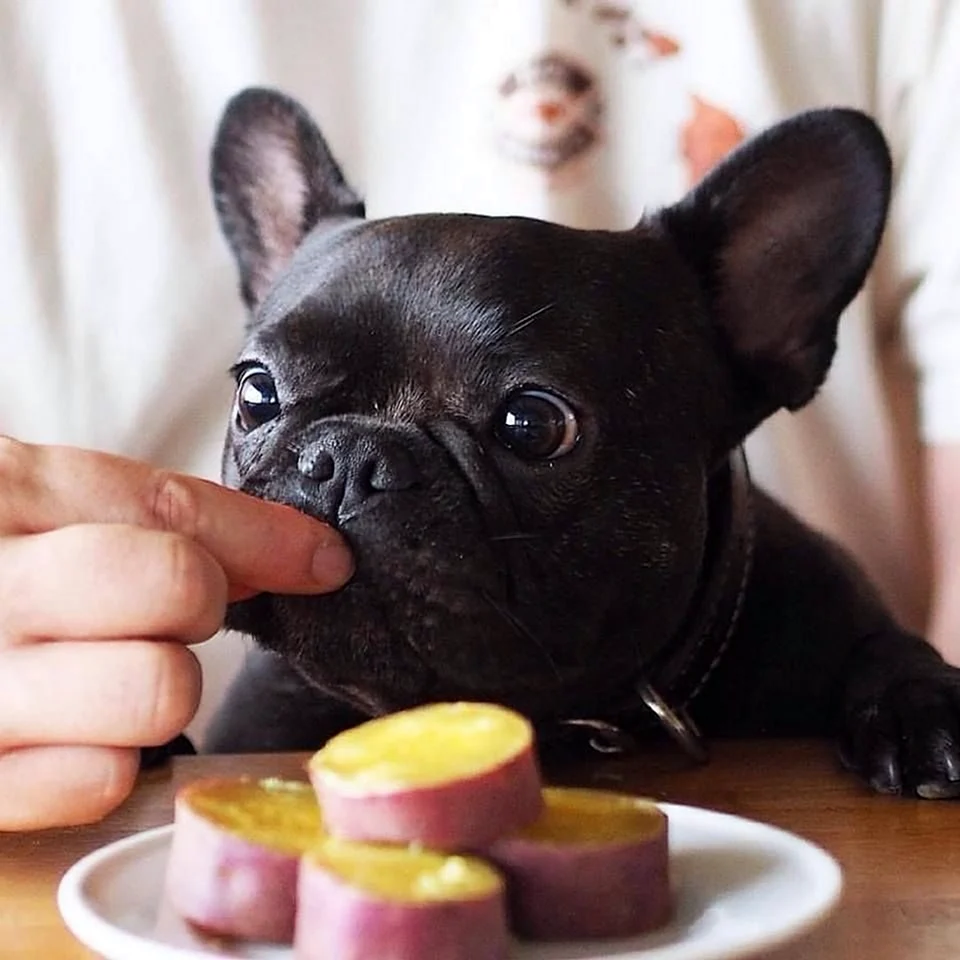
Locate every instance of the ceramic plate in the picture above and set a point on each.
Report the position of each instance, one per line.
(741, 888)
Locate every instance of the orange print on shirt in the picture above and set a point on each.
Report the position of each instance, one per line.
(660, 43)
(628, 33)
(707, 137)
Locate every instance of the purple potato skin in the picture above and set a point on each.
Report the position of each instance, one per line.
(585, 891)
(464, 815)
(225, 885)
(336, 920)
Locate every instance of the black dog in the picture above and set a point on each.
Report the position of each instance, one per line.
(530, 435)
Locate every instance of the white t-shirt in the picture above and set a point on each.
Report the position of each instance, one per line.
(119, 307)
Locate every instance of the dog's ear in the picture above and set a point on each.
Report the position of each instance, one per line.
(273, 180)
(781, 235)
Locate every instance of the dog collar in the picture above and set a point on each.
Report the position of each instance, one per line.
(667, 684)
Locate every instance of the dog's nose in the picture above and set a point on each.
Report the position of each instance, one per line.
(348, 468)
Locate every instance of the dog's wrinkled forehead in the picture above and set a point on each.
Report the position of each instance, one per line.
(444, 269)
(435, 300)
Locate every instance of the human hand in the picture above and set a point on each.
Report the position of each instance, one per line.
(108, 570)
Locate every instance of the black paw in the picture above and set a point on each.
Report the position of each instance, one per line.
(900, 728)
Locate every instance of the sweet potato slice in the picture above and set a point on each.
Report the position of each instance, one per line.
(453, 776)
(235, 855)
(360, 901)
(593, 865)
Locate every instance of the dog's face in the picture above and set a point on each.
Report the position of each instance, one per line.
(514, 472)
(512, 422)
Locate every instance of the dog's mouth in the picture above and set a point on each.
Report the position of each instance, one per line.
(439, 605)
(434, 611)
(452, 596)
(412, 624)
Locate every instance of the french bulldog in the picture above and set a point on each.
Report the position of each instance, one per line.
(530, 435)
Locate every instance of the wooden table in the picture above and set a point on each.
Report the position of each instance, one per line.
(901, 858)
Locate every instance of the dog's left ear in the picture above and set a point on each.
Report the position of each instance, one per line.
(781, 235)
(274, 179)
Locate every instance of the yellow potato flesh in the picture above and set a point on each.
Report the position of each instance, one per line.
(405, 874)
(594, 816)
(281, 814)
(428, 745)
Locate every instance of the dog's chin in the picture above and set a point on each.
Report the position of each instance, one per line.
(380, 660)
(384, 653)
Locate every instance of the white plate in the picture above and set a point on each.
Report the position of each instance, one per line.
(741, 888)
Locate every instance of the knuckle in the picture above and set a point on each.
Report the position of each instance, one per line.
(14, 459)
(193, 590)
(119, 774)
(173, 677)
(16, 470)
(12, 591)
(173, 505)
(49, 787)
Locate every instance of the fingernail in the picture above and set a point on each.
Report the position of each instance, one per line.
(333, 563)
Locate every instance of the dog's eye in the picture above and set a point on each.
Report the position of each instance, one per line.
(257, 400)
(536, 425)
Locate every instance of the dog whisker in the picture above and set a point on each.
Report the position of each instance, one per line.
(524, 631)
(526, 321)
(517, 535)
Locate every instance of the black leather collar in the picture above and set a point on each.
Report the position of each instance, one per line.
(666, 685)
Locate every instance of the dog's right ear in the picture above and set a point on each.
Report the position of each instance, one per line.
(274, 179)
(781, 235)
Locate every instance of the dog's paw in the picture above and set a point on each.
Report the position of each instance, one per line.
(901, 728)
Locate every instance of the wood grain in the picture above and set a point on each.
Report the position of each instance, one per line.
(901, 858)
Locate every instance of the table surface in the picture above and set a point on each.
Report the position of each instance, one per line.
(901, 859)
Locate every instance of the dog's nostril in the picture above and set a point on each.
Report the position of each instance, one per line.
(392, 470)
(316, 464)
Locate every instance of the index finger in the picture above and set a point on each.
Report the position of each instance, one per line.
(260, 545)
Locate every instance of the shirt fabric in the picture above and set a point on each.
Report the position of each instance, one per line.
(120, 310)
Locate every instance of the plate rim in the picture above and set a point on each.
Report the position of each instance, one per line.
(833, 888)
(94, 931)
(79, 916)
